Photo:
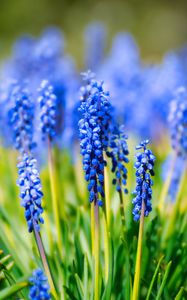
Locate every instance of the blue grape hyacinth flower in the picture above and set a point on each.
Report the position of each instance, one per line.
(178, 122)
(39, 289)
(30, 192)
(144, 170)
(48, 107)
(20, 119)
(95, 42)
(94, 129)
(118, 155)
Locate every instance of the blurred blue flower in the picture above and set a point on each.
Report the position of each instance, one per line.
(95, 43)
(30, 192)
(178, 122)
(39, 289)
(144, 170)
(48, 111)
(176, 176)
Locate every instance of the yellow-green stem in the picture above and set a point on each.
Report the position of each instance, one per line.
(106, 219)
(122, 211)
(92, 228)
(106, 247)
(96, 252)
(167, 183)
(54, 192)
(107, 193)
(136, 285)
(44, 262)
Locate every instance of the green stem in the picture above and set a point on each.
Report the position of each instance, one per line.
(122, 211)
(138, 256)
(53, 181)
(107, 193)
(44, 261)
(96, 252)
(106, 247)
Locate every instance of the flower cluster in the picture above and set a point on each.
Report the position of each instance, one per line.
(30, 192)
(20, 118)
(39, 289)
(94, 128)
(144, 170)
(178, 122)
(48, 106)
(118, 155)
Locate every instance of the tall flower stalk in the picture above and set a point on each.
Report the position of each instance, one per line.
(31, 199)
(94, 131)
(142, 202)
(118, 154)
(48, 118)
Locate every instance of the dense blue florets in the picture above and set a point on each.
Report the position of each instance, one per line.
(143, 192)
(118, 155)
(178, 122)
(20, 118)
(48, 106)
(30, 192)
(40, 287)
(94, 128)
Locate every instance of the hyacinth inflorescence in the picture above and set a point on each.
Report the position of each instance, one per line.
(48, 108)
(144, 170)
(30, 192)
(178, 122)
(20, 118)
(39, 289)
(94, 128)
(118, 154)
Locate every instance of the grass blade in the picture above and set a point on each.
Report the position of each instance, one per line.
(164, 281)
(153, 279)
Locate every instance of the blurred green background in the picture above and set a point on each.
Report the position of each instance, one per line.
(157, 25)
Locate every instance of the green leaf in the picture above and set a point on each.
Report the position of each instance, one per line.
(108, 287)
(164, 281)
(180, 293)
(79, 285)
(85, 279)
(12, 290)
(153, 279)
(69, 293)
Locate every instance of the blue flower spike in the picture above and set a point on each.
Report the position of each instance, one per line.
(119, 158)
(20, 117)
(39, 289)
(48, 107)
(144, 170)
(30, 192)
(94, 128)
